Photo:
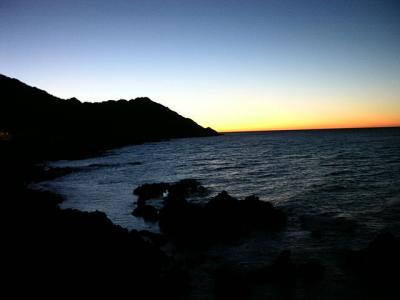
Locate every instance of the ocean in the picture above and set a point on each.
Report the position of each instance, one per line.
(342, 186)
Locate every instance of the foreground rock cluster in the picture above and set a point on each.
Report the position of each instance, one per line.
(222, 217)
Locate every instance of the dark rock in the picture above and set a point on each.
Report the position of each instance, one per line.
(377, 266)
(283, 269)
(231, 284)
(222, 218)
(311, 271)
(257, 213)
(147, 212)
(380, 260)
(155, 238)
(151, 190)
(184, 188)
(180, 189)
(223, 203)
(182, 219)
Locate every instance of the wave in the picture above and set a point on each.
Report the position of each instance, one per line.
(105, 165)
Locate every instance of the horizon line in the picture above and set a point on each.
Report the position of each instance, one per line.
(309, 129)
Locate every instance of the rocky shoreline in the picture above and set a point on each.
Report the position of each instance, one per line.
(367, 273)
(70, 250)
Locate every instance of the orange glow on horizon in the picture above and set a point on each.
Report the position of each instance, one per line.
(310, 128)
(308, 124)
(266, 116)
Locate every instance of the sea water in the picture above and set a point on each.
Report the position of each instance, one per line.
(329, 182)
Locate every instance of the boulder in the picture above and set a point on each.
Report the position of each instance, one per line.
(151, 190)
(257, 213)
(180, 189)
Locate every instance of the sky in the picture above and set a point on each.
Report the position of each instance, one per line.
(231, 65)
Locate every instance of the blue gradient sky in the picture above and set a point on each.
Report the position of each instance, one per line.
(231, 65)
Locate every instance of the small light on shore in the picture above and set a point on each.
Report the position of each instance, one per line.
(4, 135)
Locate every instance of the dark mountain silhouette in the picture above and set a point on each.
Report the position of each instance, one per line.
(69, 126)
(48, 246)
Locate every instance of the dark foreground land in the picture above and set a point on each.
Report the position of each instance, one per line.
(49, 250)
(53, 252)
